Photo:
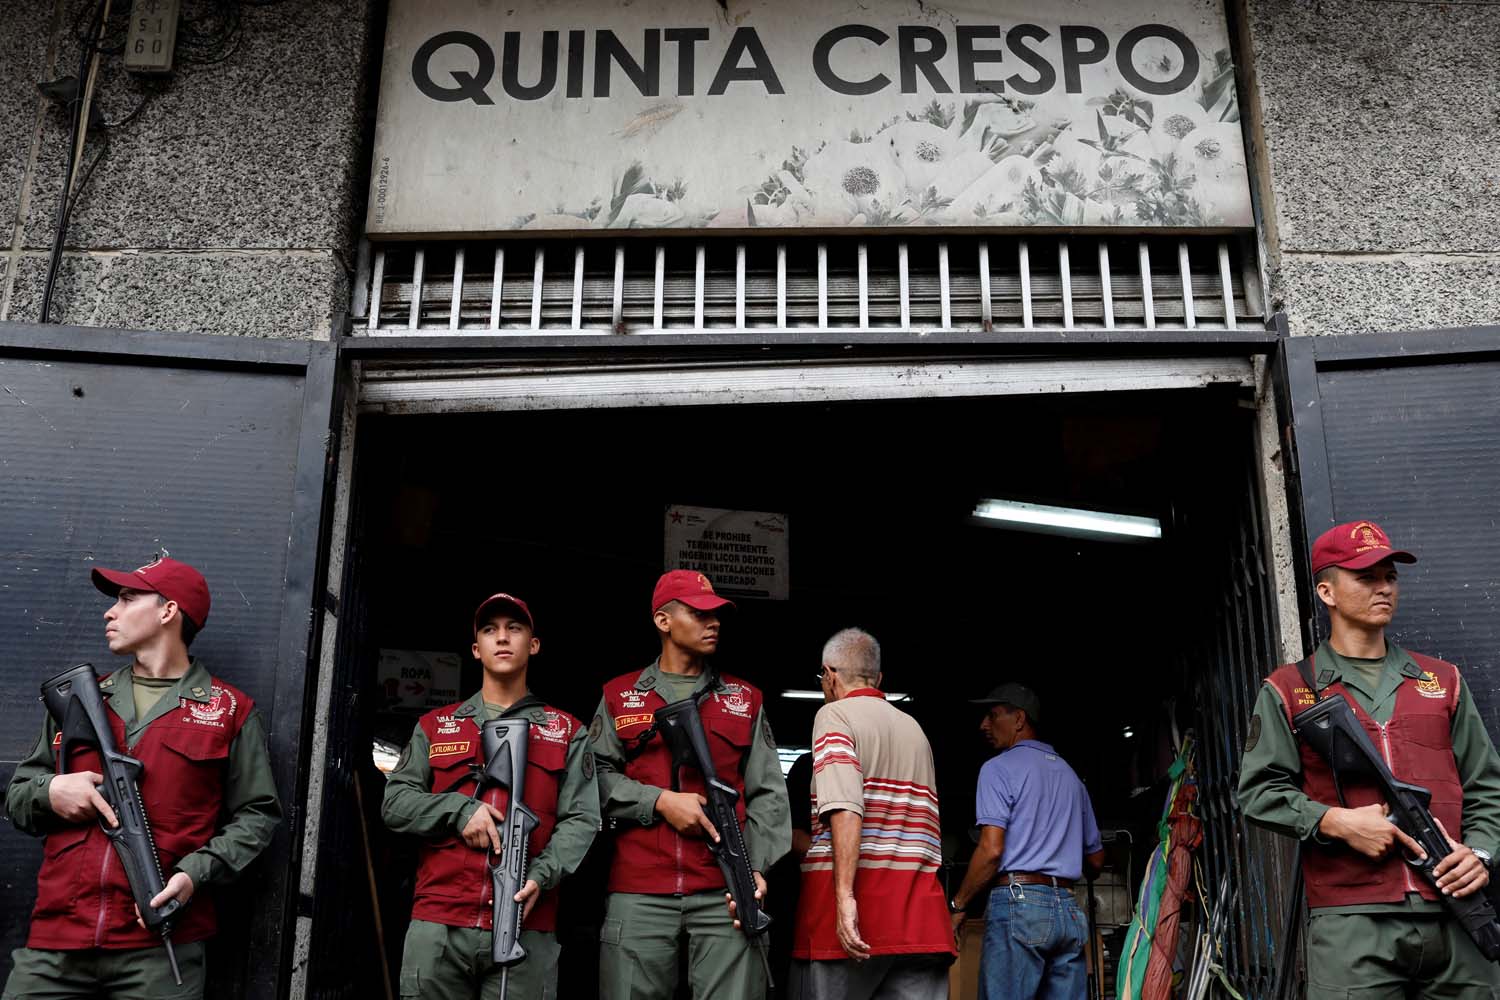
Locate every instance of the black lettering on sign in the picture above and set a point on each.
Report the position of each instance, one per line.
(467, 86)
(823, 51)
(646, 74)
(926, 59)
(1134, 37)
(745, 41)
(687, 40)
(510, 68)
(1075, 56)
(1046, 76)
(969, 57)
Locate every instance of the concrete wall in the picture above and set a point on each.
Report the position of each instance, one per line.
(225, 207)
(1379, 127)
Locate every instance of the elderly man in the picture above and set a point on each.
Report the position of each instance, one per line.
(1037, 828)
(871, 919)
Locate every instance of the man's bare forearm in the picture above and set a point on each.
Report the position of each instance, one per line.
(846, 827)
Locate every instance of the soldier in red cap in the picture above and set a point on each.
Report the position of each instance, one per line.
(664, 885)
(429, 794)
(1375, 929)
(206, 786)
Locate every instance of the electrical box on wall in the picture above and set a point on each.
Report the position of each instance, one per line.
(153, 35)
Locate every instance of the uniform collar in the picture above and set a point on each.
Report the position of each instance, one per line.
(867, 692)
(473, 708)
(651, 677)
(1328, 665)
(195, 685)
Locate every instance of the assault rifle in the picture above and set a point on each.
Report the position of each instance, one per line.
(74, 701)
(681, 728)
(1334, 734)
(503, 743)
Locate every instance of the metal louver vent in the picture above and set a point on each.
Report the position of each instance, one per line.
(921, 283)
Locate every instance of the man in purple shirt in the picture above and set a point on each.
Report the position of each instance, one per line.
(1037, 833)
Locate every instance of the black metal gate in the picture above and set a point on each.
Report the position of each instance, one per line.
(114, 444)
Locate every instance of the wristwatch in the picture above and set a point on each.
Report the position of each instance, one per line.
(953, 906)
(1483, 856)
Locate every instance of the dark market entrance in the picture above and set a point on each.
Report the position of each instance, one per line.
(1129, 644)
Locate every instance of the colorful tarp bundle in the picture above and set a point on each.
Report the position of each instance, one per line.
(1151, 942)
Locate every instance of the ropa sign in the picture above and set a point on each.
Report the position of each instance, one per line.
(672, 114)
(917, 55)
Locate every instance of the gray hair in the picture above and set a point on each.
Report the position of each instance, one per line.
(854, 653)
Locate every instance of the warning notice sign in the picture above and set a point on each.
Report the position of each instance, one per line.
(741, 551)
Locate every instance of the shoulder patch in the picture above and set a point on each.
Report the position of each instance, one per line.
(588, 765)
(765, 730)
(1253, 736)
(596, 727)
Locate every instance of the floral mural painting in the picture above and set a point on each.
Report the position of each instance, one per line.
(1120, 159)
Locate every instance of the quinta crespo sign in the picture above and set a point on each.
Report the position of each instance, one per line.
(918, 49)
(675, 114)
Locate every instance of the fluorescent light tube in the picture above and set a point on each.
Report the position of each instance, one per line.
(1066, 520)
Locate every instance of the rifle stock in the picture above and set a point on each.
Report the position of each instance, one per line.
(1334, 734)
(681, 728)
(74, 701)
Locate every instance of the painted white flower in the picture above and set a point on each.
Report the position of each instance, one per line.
(844, 179)
(997, 188)
(648, 211)
(1172, 120)
(921, 150)
(1215, 154)
(959, 172)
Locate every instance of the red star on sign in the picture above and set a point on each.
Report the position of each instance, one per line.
(676, 517)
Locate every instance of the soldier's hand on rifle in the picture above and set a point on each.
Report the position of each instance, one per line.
(1461, 872)
(760, 896)
(480, 832)
(527, 897)
(684, 810)
(1368, 830)
(76, 798)
(179, 887)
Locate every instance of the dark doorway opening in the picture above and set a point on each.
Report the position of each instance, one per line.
(1129, 644)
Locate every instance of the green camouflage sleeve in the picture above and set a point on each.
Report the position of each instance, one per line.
(409, 804)
(577, 817)
(1479, 773)
(1270, 790)
(250, 802)
(26, 800)
(620, 798)
(768, 811)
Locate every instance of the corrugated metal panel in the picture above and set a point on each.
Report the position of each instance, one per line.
(100, 465)
(889, 283)
(1413, 448)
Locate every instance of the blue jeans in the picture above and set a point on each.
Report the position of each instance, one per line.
(1033, 945)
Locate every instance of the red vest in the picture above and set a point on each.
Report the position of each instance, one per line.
(453, 883)
(1418, 747)
(83, 898)
(656, 860)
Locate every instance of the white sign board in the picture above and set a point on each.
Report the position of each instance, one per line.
(578, 115)
(742, 552)
(415, 680)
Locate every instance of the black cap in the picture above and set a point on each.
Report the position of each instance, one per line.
(1016, 696)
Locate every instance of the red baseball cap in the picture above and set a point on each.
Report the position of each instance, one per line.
(688, 586)
(1357, 545)
(176, 581)
(509, 601)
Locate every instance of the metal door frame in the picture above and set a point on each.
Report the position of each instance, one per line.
(1300, 362)
(317, 363)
